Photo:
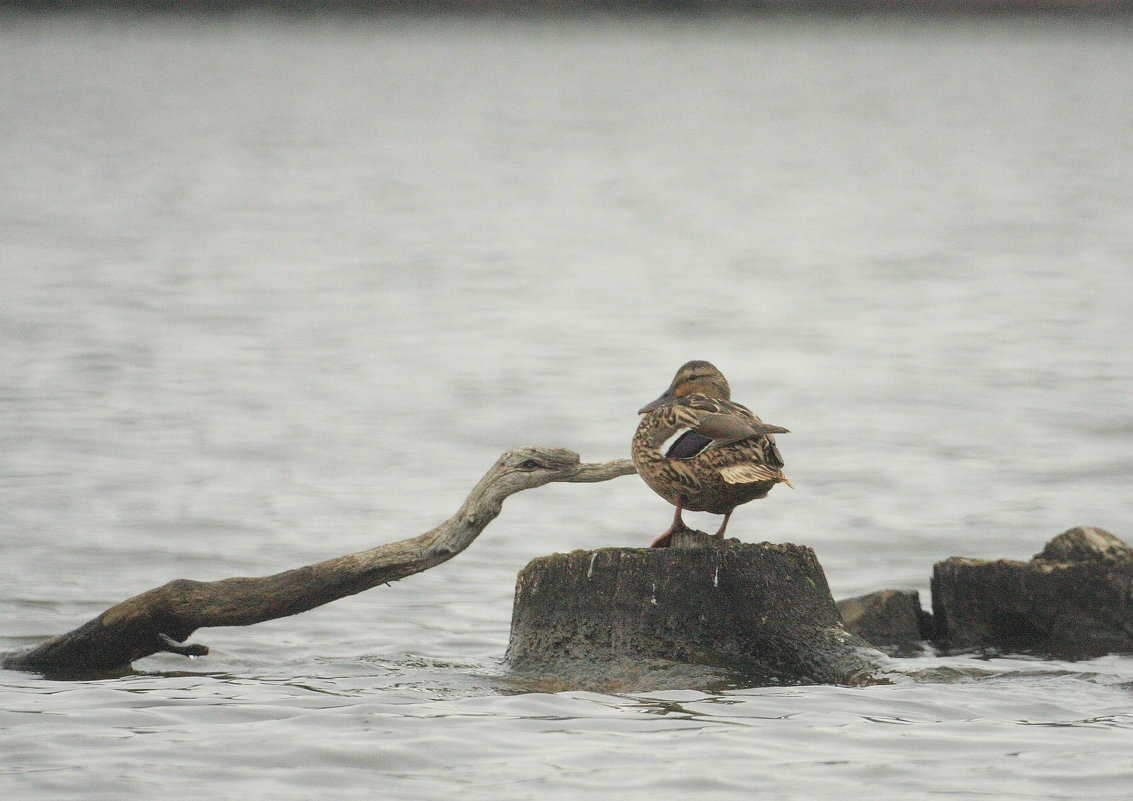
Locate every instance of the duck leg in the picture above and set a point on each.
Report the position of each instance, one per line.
(666, 539)
(724, 525)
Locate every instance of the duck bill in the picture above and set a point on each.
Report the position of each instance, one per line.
(665, 398)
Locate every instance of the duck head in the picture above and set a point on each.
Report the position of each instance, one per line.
(694, 378)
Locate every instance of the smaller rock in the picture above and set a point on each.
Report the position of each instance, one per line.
(887, 617)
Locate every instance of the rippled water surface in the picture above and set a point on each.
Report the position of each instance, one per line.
(273, 291)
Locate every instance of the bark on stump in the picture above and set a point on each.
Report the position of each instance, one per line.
(757, 609)
(1073, 600)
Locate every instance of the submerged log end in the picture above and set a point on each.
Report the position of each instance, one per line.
(762, 609)
(145, 624)
(1073, 600)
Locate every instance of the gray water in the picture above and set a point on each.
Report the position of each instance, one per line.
(273, 291)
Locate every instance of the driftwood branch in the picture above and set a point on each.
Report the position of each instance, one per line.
(161, 619)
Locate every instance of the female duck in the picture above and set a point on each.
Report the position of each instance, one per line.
(701, 452)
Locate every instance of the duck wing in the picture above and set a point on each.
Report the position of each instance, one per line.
(729, 428)
(702, 423)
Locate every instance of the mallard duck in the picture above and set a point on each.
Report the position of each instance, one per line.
(700, 451)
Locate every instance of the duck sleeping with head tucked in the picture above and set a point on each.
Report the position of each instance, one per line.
(700, 451)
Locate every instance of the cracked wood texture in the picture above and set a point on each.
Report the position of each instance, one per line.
(162, 618)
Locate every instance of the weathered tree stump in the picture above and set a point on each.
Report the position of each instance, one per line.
(162, 618)
(887, 618)
(1073, 600)
(763, 609)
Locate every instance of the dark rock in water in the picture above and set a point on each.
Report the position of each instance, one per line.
(764, 611)
(1073, 600)
(887, 618)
